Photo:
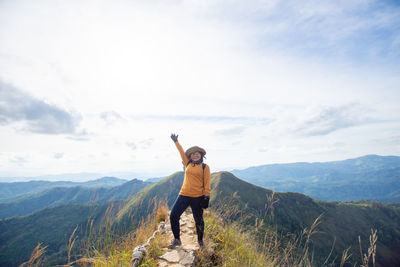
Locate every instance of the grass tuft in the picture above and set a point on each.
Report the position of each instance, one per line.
(36, 257)
(371, 253)
(119, 250)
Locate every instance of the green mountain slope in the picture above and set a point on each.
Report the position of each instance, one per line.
(246, 203)
(143, 203)
(52, 227)
(64, 195)
(16, 190)
(234, 199)
(293, 212)
(370, 177)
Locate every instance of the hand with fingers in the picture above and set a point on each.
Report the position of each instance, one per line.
(174, 137)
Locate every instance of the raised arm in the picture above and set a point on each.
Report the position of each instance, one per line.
(185, 159)
(207, 176)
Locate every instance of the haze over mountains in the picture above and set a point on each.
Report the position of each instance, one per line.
(342, 223)
(15, 190)
(371, 177)
(52, 210)
(76, 177)
(96, 192)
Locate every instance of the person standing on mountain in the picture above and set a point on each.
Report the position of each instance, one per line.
(195, 191)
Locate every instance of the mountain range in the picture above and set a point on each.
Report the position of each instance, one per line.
(234, 199)
(16, 190)
(50, 216)
(290, 213)
(51, 227)
(371, 177)
(71, 195)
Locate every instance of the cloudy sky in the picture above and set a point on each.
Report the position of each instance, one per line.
(99, 86)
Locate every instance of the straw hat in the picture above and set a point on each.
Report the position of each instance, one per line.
(194, 149)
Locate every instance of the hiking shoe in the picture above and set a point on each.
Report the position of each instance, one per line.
(175, 243)
(201, 244)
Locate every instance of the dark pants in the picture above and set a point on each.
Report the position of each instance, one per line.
(180, 205)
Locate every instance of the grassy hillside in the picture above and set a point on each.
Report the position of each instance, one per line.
(295, 210)
(344, 222)
(64, 195)
(143, 203)
(341, 223)
(289, 214)
(257, 210)
(366, 178)
(52, 227)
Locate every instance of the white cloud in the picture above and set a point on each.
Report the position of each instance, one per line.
(110, 117)
(37, 116)
(58, 155)
(234, 131)
(145, 144)
(324, 120)
(132, 145)
(274, 78)
(19, 160)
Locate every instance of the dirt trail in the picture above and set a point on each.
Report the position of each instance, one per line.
(183, 255)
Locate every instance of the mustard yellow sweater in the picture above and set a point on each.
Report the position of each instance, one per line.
(193, 182)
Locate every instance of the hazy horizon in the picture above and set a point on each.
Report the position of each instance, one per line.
(86, 176)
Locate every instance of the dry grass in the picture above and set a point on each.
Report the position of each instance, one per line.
(71, 243)
(238, 243)
(366, 257)
(36, 257)
(162, 213)
(228, 242)
(103, 247)
(345, 257)
(153, 251)
(231, 245)
(120, 252)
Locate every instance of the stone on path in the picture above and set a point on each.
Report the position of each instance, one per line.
(164, 264)
(188, 259)
(190, 247)
(184, 255)
(171, 256)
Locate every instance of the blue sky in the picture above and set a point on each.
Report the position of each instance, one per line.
(98, 86)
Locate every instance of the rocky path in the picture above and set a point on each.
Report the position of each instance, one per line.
(183, 255)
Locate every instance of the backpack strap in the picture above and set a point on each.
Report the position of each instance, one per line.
(204, 166)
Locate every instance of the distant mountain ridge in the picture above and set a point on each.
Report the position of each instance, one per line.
(72, 195)
(293, 212)
(16, 190)
(238, 199)
(50, 226)
(370, 177)
(19, 235)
